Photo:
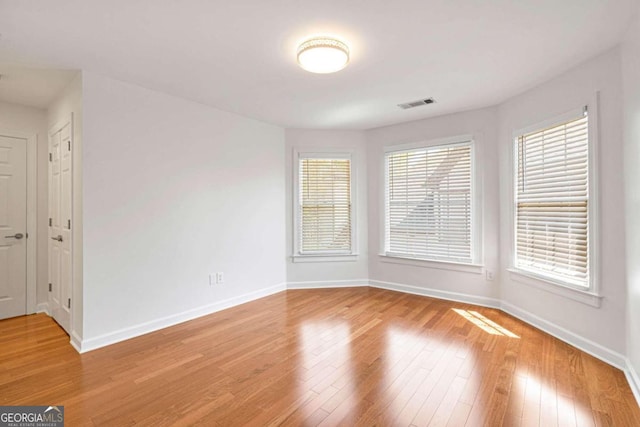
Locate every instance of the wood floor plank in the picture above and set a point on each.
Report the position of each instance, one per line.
(352, 356)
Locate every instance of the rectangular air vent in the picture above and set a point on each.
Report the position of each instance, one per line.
(418, 103)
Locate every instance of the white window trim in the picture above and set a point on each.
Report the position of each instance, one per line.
(431, 263)
(324, 258)
(329, 256)
(477, 255)
(589, 295)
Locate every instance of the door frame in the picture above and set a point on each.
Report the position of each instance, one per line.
(32, 214)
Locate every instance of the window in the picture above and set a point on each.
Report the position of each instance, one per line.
(552, 205)
(324, 211)
(428, 203)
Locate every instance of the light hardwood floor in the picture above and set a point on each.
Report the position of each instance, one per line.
(356, 356)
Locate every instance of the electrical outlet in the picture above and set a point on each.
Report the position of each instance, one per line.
(219, 277)
(489, 274)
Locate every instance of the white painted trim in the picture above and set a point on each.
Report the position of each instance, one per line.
(593, 111)
(32, 223)
(550, 121)
(436, 293)
(431, 263)
(76, 342)
(85, 345)
(43, 307)
(606, 355)
(477, 201)
(633, 379)
(325, 258)
(596, 350)
(416, 145)
(327, 284)
(383, 177)
(31, 141)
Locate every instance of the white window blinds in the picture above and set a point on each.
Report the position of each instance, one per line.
(552, 197)
(428, 203)
(324, 205)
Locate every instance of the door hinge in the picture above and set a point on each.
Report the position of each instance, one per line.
(69, 144)
(69, 302)
(69, 224)
(50, 222)
(50, 157)
(49, 287)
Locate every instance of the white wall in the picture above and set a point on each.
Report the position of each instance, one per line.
(33, 121)
(169, 191)
(481, 124)
(572, 90)
(66, 105)
(631, 86)
(173, 191)
(329, 273)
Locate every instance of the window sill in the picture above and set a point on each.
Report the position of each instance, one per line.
(442, 265)
(580, 295)
(325, 258)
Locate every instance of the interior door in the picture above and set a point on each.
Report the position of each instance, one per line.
(60, 164)
(13, 226)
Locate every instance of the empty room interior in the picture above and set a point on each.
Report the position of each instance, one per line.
(320, 213)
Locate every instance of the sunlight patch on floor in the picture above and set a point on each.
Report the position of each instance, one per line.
(487, 325)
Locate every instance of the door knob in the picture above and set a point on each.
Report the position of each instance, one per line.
(59, 238)
(17, 236)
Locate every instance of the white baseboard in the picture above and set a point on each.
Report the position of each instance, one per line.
(43, 307)
(437, 293)
(609, 356)
(76, 341)
(606, 355)
(596, 350)
(633, 379)
(144, 328)
(324, 284)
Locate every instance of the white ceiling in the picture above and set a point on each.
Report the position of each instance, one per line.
(240, 55)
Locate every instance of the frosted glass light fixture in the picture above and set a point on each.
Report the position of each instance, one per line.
(323, 55)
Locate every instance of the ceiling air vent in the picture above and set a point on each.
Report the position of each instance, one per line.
(417, 103)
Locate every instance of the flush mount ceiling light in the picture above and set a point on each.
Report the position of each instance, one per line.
(323, 55)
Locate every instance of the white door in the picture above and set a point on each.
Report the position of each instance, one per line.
(60, 226)
(13, 227)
